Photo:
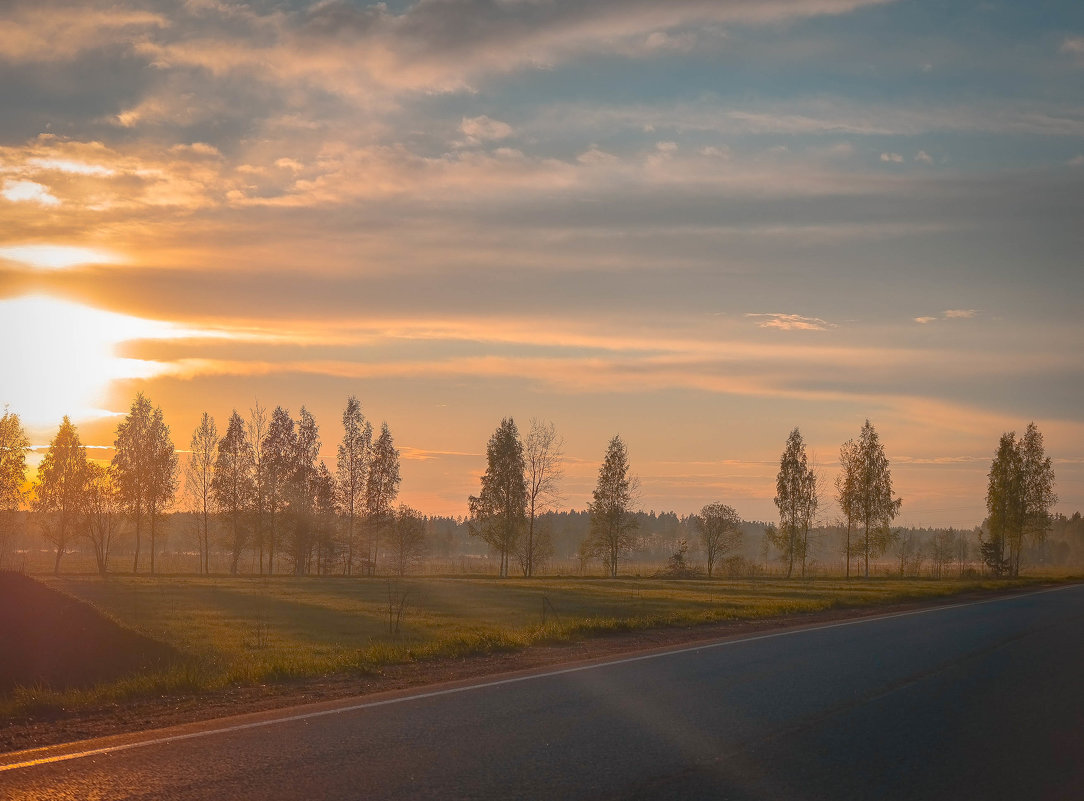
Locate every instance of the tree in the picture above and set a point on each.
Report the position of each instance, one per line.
(301, 491)
(847, 494)
(719, 527)
(14, 445)
(1018, 499)
(796, 499)
(103, 512)
(60, 492)
(233, 486)
(612, 523)
(406, 540)
(279, 446)
(145, 468)
(1038, 488)
(869, 494)
(352, 470)
(256, 430)
(329, 547)
(381, 490)
(542, 463)
(199, 475)
(498, 514)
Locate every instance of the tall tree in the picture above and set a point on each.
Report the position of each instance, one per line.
(871, 495)
(847, 481)
(719, 527)
(301, 492)
(279, 448)
(352, 471)
(145, 468)
(498, 514)
(14, 445)
(233, 486)
(542, 464)
(256, 430)
(381, 490)
(612, 522)
(330, 549)
(103, 512)
(796, 500)
(1038, 486)
(1018, 499)
(60, 492)
(199, 475)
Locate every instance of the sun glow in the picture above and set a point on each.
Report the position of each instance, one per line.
(57, 257)
(67, 357)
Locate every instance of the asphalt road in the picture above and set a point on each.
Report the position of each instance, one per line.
(976, 701)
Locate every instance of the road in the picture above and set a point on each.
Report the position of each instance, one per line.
(980, 700)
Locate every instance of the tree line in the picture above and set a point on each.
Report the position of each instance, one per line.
(262, 480)
(262, 483)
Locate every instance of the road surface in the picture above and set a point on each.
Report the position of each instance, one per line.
(980, 700)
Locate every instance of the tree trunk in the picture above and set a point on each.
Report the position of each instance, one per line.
(867, 550)
(135, 563)
(847, 553)
(56, 564)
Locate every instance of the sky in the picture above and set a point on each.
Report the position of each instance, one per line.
(696, 224)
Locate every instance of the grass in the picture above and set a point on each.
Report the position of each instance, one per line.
(251, 630)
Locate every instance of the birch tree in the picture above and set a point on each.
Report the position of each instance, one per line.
(796, 499)
(498, 514)
(60, 491)
(103, 514)
(542, 465)
(612, 524)
(145, 468)
(381, 490)
(233, 486)
(870, 495)
(199, 475)
(277, 452)
(1019, 495)
(352, 471)
(256, 430)
(14, 445)
(719, 527)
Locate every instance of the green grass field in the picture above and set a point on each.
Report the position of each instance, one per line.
(258, 628)
(252, 630)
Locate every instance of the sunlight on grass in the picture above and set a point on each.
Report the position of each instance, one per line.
(255, 630)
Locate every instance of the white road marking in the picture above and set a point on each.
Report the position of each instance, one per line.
(176, 738)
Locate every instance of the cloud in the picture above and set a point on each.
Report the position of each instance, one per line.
(485, 129)
(894, 158)
(949, 314)
(791, 322)
(923, 157)
(1073, 46)
(40, 33)
(1076, 161)
(28, 192)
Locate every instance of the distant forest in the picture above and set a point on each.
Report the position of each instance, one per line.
(449, 548)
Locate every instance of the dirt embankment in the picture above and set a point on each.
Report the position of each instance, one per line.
(52, 640)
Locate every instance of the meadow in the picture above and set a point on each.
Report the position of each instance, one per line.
(249, 630)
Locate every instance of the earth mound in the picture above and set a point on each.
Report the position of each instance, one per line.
(50, 639)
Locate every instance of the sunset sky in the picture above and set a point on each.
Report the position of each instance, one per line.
(696, 224)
